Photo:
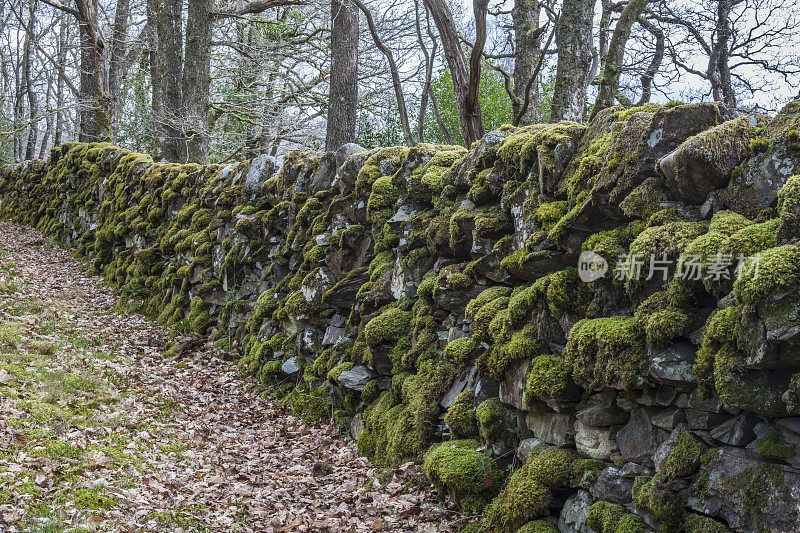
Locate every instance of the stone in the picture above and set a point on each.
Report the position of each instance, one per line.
(668, 419)
(261, 169)
(332, 335)
(736, 431)
(486, 387)
(291, 366)
(525, 447)
(637, 439)
(512, 389)
(602, 415)
(673, 366)
(666, 447)
(464, 381)
(555, 429)
(345, 151)
(612, 486)
(574, 513)
(747, 492)
(594, 442)
(704, 419)
(356, 426)
(705, 161)
(356, 378)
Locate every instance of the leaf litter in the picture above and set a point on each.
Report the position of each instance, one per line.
(100, 431)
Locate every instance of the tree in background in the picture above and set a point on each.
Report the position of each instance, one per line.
(343, 96)
(573, 71)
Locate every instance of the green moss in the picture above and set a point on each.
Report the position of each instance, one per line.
(684, 459)
(491, 417)
(521, 344)
(606, 517)
(778, 271)
(695, 523)
(458, 467)
(662, 320)
(607, 351)
(539, 526)
(460, 350)
(772, 448)
(310, 405)
(460, 417)
(548, 377)
(528, 493)
(656, 497)
(389, 326)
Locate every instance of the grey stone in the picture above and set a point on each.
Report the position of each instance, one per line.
(345, 151)
(574, 513)
(486, 387)
(464, 381)
(356, 426)
(261, 169)
(612, 486)
(737, 431)
(737, 476)
(673, 366)
(594, 442)
(291, 366)
(525, 447)
(668, 418)
(599, 415)
(704, 419)
(712, 405)
(332, 334)
(356, 378)
(668, 445)
(637, 439)
(555, 429)
(512, 388)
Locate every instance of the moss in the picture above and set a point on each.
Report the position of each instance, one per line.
(778, 270)
(684, 459)
(459, 281)
(521, 344)
(491, 417)
(460, 417)
(199, 318)
(772, 448)
(662, 320)
(310, 405)
(389, 326)
(695, 523)
(658, 498)
(529, 490)
(606, 517)
(384, 194)
(549, 377)
(539, 526)
(547, 214)
(458, 467)
(335, 372)
(426, 288)
(460, 350)
(606, 351)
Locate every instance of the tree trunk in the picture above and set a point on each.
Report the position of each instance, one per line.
(612, 66)
(527, 47)
(471, 120)
(343, 96)
(33, 101)
(574, 42)
(95, 98)
(62, 58)
(119, 37)
(166, 64)
(197, 80)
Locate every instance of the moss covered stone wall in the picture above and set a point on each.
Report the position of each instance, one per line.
(428, 299)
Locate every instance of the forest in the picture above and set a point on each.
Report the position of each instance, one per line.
(212, 81)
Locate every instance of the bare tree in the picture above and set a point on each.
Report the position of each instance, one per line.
(343, 99)
(573, 71)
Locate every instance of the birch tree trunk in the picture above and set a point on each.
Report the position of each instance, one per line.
(574, 41)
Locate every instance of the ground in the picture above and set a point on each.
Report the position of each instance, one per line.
(100, 431)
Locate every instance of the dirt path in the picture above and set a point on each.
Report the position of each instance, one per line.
(100, 431)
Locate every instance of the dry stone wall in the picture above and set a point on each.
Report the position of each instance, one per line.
(429, 300)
